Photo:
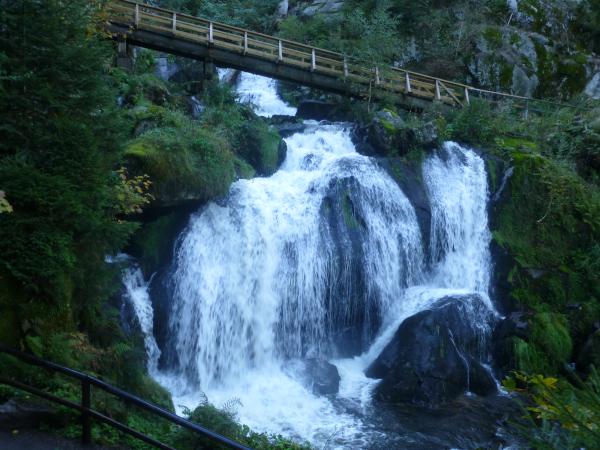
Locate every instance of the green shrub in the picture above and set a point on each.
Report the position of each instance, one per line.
(558, 414)
(224, 422)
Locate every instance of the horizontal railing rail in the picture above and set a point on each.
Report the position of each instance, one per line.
(348, 70)
(88, 413)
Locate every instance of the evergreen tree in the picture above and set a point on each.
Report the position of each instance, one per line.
(58, 148)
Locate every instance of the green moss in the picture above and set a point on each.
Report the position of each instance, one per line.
(527, 358)
(348, 211)
(152, 244)
(548, 348)
(183, 164)
(540, 225)
(492, 172)
(493, 37)
(573, 73)
(550, 334)
(244, 170)
(506, 76)
(546, 70)
(512, 145)
(515, 39)
(260, 145)
(415, 157)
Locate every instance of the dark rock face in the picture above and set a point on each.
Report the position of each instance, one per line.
(435, 355)
(316, 110)
(516, 324)
(281, 153)
(410, 179)
(161, 294)
(590, 353)
(388, 135)
(322, 376)
(352, 314)
(287, 125)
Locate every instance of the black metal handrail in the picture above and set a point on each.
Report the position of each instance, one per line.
(87, 413)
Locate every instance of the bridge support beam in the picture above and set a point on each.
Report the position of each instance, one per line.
(125, 54)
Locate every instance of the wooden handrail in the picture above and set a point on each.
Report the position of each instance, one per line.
(314, 59)
(88, 413)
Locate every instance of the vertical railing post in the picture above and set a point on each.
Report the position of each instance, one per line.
(408, 87)
(345, 67)
(245, 42)
(467, 99)
(438, 94)
(174, 23)
(86, 418)
(280, 51)
(137, 15)
(210, 33)
(527, 110)
(377, 80)
(313, 64)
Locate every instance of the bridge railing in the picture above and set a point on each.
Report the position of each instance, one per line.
(88, 412)
(348, 70)
(283, 51)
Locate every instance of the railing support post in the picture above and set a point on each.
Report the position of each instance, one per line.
(377, 80)
(86, 418)
(245, 42)
(438, 94)
(280, 53)
(467, 99)
(345, 67)
(174, 23)
(408, 87)
(210, 33)
(137, 15)
(313, 64)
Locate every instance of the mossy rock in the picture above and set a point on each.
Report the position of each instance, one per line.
(548, 347)
(550, 333)
(261, 146)
(189, 164)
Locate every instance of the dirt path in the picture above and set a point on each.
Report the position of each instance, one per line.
(35, 440)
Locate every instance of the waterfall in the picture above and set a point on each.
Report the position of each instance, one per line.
(253, 274)
(261, 92)
(456, 184)
(323, 259)
(136, 294)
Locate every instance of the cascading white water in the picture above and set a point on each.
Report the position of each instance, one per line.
(261, 92)
(456, 182)
(251, 274)
(269, 274)
(138, 297)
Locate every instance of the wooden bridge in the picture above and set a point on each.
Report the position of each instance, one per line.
(228, 46)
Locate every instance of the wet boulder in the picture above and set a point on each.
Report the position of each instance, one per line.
(322, 376)
(353, 312)
(389, 135)
(287, 125)
(435, 355)
(316, 110)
